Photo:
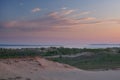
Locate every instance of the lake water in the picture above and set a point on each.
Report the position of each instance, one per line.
(25, 46)
(69, 46)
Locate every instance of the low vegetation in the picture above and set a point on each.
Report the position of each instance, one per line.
(108, 58)
(103, 61)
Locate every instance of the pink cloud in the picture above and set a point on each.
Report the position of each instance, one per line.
(114, 20)
(51, 21)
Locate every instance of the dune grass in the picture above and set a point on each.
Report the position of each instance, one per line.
(103, 61)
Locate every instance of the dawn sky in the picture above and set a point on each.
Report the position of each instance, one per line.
(59, 21)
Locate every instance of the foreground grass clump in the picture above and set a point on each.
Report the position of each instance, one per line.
(103, 61)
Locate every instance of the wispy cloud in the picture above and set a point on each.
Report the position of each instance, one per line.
(79, 14)
(114, 20)
(84, 13)
(87, 18)
(51, 21)
(47, 23)
(35, 10)
(61, 13)
(67, 12)
(53, 14)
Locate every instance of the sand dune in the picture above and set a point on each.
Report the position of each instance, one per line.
(38, 68)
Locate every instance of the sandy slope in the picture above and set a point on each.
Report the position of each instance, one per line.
(41, 69)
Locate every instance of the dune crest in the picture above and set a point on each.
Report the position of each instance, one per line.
(37, 68)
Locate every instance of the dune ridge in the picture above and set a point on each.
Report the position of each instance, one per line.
(38, 68)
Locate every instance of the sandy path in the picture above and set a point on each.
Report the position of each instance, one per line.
(72, 55)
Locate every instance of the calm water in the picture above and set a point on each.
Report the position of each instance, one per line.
(25, 46)
(69, 46)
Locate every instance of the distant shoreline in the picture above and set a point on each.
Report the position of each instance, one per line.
(106, 44)
(25, 45)
(93, 46)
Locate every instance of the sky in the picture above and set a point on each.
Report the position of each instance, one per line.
(59, 22)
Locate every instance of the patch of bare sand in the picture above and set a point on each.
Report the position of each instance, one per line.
(38, 68)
